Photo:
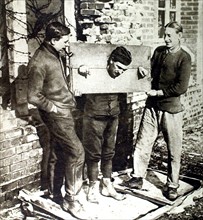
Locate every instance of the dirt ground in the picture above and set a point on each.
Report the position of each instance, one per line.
(192, 166)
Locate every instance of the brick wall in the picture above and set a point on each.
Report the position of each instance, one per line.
(193, 98)
(112, 22)
(20, 157)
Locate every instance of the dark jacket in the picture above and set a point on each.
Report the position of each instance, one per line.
(97, 105)
(170, 72)
(47, 85)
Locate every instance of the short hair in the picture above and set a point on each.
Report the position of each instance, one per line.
(175, 25)
(122, 55)
(56, 30)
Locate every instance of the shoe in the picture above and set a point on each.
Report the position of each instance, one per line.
(107, 189)
(170, 193)
(92, 195)
(74, 208)
(134, 183)
(57, 198)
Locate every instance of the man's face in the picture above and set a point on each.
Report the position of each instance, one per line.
(172, 38)
(115, 69)
(61, 43)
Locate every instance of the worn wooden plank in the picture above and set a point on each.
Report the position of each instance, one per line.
(108, 208)
(152, 187)
(165, 209)
(44, 204)
(95, 57)
(135, 206)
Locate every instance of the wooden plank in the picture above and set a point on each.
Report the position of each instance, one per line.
(44, 204)
(95, 57)
(132, 206)
(165, 209)
(152, 188)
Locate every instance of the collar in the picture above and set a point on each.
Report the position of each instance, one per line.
(51, 49)
(174, 50)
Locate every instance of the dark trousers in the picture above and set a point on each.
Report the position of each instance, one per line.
(99, 137)
(67, 153)
(44, 139)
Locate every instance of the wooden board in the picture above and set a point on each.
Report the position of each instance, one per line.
(147, 203)
(95, 57)
(152, 187)
(108, 208)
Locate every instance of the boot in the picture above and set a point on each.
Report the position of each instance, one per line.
(134, 183)
(58, 198)
(92, 195)
(75, 209)
(107, 189)
(170, 193)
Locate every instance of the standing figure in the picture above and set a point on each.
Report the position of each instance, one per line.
(50, 92)
(100, 124)
(170, 71)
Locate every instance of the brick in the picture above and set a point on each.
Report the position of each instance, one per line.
(84, 5)
(99, 6)
(7, 153)
(34, 168)
(23, 148)
(30, 138)
(92, 12)
(29, 130)
(4, 170)
(5, 162)
(6, 178)
(8, 124)
(9, 186)
(16, 141)
(26, 180)
(6, 145)
(191, 13)
(192, 3)
(25, 156)
(15, 159)
(14, 133)
(36, 144)
(17, 174)
(186, 9)
(34, 160)
(91, 6)
(8, 114)
(18, 166)
(34, 153)
(103, 19)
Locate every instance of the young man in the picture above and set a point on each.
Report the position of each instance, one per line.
(170, 70)
(49, 91)
(100, 125)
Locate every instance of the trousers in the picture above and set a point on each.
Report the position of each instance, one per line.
(44, 139)
(99, 137)
(67, 153)
(153, 121)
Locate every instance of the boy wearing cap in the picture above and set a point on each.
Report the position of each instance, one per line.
(100, 123)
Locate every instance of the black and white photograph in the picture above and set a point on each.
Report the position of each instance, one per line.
(101, 109)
